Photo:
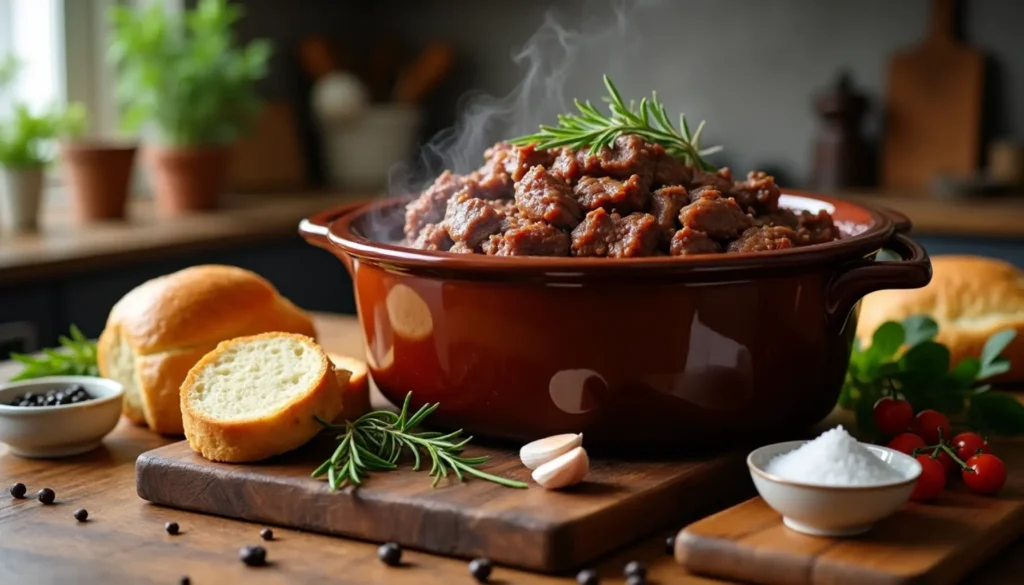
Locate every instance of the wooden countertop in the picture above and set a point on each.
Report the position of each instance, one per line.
(124, 540)
(63, 247)
(993, 217)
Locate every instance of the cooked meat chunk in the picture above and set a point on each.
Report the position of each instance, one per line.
(433, 237)
(517, 160)
(817, 228)
(718, 217)
(471, 220)
(783, 217)
(764, 239)
(567, 166)
(758, 194)
(461, 248)
(430, 207)
(721, 179)
(666, 203)
(668, 170)
(630, 155)
(529, 239)
(704, 192)
(614, 236)
(542, 196)
(622, 196)
(688, 242)
(492, 183)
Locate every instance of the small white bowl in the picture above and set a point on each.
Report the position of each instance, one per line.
(823, 510)
(59, 431)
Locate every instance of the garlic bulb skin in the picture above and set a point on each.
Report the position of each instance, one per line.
(539, 452)
(563, 471)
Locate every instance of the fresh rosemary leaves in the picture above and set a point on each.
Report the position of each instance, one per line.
(376, 440)
(75, 357)
(651, 122)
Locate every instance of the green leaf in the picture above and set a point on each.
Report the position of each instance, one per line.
(996, 413)
(966, 372)
(887, 340)
(919, 328)
(996, 344)
(995, 368)
(929, 358)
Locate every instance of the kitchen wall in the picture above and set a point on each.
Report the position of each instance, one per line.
(750, 67)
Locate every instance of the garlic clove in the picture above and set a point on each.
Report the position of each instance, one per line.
(565, 470)
(539, 452)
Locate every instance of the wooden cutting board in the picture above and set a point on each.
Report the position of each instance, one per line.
(935, 543)
(535, 529)
(933, 107)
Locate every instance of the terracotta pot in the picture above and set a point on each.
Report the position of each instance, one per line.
(21, 195)
(99, 176)
(646, 352)
(187, 179)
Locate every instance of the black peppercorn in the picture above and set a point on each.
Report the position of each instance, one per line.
(390, 554)
(46, 496)
(185, 581)
(635, 569)
(171, 528)
(587, 577)
(670, 545)
(481, 569)
(81, 514)
(254, 556)
(267, 534)
(636, 580)
(18, 490)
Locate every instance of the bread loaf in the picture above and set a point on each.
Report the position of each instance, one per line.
(357, 393)
(970, 297)
(258, 396)
(160, 329)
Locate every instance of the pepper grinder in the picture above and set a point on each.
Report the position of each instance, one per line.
(840, 152)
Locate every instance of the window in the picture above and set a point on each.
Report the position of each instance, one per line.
(32, 30)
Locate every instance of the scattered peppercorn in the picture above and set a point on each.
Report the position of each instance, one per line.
(636, 580)
(670, 545)
(390, 553)
(46, 496)
(18, 490)
(587, 577)
(481, 569)
(171, 528)
(267, 534)
(635, 569)
(54, 397)
(185, 581)
(81, 514)
(254, 556)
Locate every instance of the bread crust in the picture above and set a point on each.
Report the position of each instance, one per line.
(970, 297)
(258, 438)
(183, 315)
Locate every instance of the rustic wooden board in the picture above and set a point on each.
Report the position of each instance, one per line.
(933, 107)
(934, 543)
(620, 502)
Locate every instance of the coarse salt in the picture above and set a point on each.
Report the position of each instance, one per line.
(834, 458)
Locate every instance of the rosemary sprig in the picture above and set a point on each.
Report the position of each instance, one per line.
(376, 440)
(650, 121)
(75, 357)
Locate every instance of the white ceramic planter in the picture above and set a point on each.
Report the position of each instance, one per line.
(21, 191)
(360, 152)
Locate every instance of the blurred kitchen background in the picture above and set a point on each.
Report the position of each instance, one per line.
(129, 150)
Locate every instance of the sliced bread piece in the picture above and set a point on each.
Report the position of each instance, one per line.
(255, 397)
(356, 396)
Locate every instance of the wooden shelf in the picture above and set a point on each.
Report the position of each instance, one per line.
(983, 217)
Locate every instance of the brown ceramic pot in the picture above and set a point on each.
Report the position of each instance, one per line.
(632, 352)
(187, 179)
(99, 176)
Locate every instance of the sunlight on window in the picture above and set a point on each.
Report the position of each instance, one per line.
(34, 33)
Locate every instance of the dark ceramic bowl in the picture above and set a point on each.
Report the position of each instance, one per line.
(631, 352)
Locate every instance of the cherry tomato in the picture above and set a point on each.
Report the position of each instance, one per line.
(985, 474)
(947, 462)
(968, 444)
(893, 415)
(931, 481)
(927, 424)
(906, 443)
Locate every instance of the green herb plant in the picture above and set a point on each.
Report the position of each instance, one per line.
(27, 137)
(591, 128)
(185, 74)
(75, 357)
(377, 440)
(904, 360)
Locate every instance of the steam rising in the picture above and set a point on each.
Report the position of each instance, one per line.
(608, 41)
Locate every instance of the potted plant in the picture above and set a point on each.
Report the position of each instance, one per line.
(184, 77)
(98, 172)
(26, 147)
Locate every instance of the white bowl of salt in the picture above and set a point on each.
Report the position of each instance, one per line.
(833, 485)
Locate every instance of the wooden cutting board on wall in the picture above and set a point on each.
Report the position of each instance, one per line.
(933, 107)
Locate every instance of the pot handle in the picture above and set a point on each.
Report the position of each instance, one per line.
(315, 229)
(900, 221)
(860, 278)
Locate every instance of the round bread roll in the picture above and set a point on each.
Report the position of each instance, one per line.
(258, 396)
(970, 297)
(160, 329)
